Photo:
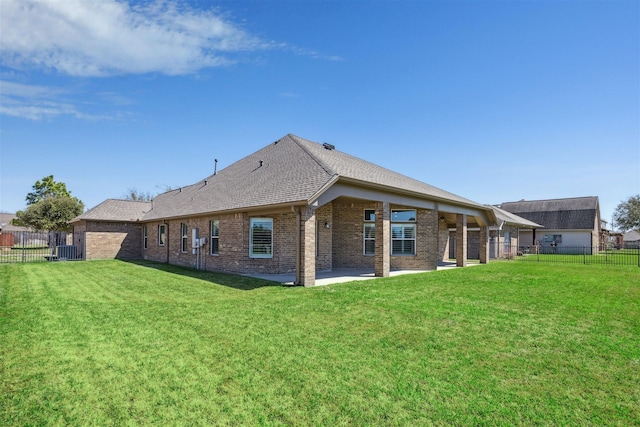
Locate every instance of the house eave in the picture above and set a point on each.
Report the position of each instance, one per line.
(264, 209)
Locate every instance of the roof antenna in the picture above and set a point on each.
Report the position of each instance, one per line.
(215, 167)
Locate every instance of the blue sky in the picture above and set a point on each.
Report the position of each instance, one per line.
(491, 100)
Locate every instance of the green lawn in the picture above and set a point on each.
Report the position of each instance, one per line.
(115, 343)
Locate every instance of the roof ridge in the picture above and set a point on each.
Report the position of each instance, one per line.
(297, 140)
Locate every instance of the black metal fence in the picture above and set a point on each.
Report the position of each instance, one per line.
(572, 254)
(36, 246)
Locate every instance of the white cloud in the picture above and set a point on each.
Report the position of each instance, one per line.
(109, 37)
(40, 102)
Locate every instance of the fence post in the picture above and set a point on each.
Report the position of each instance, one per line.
(584, 254)
(24, 254)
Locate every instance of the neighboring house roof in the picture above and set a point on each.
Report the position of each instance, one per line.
(631, 236)
(291, 170)
(115, 210)
(5, 223)
(513, 219)
(577, 213)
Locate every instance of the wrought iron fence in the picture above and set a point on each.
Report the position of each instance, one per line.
(573, 254)
(36, 246)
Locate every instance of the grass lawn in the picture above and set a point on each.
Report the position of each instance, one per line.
(116, 343)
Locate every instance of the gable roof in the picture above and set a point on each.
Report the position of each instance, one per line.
(577, 213)
(116, 210)
(513, 219)
(291, 170)
(5, 218)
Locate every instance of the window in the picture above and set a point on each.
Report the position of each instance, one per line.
(369, 235)
(214, 227)
(552, 239)
(408, 215)
(369, 239)
(369, 215)
(144, 236)
(261, 238)
(183, 237)
(403, 233)
(162, 234)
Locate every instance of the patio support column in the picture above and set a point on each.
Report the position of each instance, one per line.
(461, 240)
(484, 245)
(306, 272)
(383, 240)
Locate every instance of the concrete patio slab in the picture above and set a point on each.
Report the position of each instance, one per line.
(341, 275)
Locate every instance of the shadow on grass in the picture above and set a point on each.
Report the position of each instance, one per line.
(234, 281)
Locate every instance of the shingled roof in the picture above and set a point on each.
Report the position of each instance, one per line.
(578, 213)
(116, 210)
(513, 219)
(291, 170)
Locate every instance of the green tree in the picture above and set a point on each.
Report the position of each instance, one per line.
(50, 207)
(47, 188)
(627, 214)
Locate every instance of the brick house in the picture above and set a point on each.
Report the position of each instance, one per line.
(570, 224)
(293, 206)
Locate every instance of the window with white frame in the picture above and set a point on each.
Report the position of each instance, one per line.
(162, 234)
(214, 227)
(261, 238)
(369, 232)
(144, 236)
(183, 237)
(403, 232)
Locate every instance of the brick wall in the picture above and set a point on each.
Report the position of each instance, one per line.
(348, 229)
(427, 233)
(233, 243)
(108, 240)
(324, 255)
(348, 234)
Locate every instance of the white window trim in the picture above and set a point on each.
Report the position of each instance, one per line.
(410, 223)
(213, 237)
(365, 215)
(184, 236)
(251, 222)
(145, 237)
(164, 227)
(365, 238)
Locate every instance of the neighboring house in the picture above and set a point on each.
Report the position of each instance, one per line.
(293, 206)
(570, 225)
(5, 223)
(10, 234)
(504, 239)
(631, 240)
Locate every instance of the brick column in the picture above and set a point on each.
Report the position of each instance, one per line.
(383, 240)
(461, 240)
(484, 245)
(306, 275)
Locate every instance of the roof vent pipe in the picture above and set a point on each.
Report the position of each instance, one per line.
(261, 163)
(215, 167)
(329, 146)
